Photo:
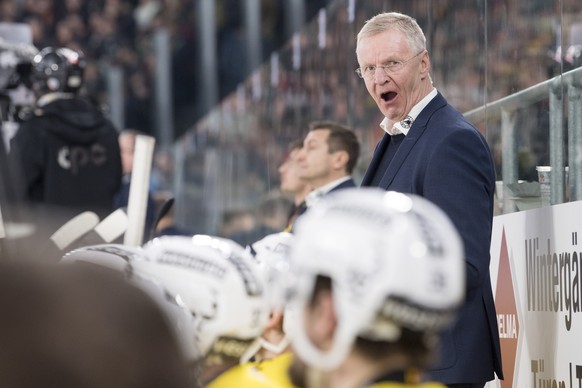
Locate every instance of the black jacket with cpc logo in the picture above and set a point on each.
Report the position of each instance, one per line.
(68, 154)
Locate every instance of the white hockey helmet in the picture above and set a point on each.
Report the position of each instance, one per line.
(116, 257)
(219, 283)
(119, 258)
(175, 310)
(271, 254)
(395, 261)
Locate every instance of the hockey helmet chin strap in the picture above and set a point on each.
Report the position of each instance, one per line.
(261, 343)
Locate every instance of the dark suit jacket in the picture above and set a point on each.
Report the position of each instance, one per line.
(344, 185)
(303, 207)
(445, 159)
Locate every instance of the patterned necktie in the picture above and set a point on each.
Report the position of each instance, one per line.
(397, 128)
(406, 122)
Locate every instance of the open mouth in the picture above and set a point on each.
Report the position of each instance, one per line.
(388, 96)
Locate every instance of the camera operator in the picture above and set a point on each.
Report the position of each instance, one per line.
(66, 150)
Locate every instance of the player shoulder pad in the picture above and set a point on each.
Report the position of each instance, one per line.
(249, 375)
(389, 384)
(276, 369)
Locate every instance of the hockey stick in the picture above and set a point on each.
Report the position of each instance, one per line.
(138, 189)
(164, 209)
(2, 230)
(108, 230)
(73, 229)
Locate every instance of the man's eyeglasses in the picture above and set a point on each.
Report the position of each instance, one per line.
(390, 67)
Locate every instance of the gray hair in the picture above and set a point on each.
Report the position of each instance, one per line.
(388, 20)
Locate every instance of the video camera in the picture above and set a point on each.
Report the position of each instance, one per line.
(16, 54)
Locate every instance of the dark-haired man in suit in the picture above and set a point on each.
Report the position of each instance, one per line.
(329, 155)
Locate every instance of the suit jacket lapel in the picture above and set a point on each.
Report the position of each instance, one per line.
(376, 158)
(401, 154)
(344, 185)
(416, 131)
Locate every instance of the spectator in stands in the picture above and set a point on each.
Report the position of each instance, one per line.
(271, 216)
(236, 221)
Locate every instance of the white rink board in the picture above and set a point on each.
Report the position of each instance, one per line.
(543, 253)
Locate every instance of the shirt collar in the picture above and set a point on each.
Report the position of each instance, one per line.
(396, 128)
(316, 194)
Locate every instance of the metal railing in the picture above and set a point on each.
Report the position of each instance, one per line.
(568, 84)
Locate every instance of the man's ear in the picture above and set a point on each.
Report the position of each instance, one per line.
(325, 318)
(275, 319)
(340, 159)
(425, 65)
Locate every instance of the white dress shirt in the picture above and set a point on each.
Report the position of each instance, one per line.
(396, 128)
(315, 195)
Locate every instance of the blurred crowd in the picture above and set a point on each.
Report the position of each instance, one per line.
(120, 33)
(481, 52)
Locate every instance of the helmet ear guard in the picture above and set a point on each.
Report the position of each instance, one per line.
(271, 254)
(395, 262)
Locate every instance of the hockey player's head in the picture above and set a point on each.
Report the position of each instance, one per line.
(113, 257)
(58, 69)
(271, 254)
(118, 259)
(221, 285)
(373, 271)
(74, 326)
